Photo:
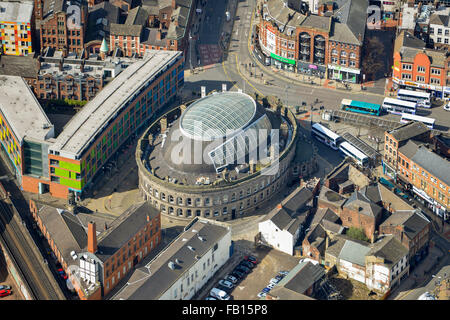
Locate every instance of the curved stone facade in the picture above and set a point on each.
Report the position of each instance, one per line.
(226, 200)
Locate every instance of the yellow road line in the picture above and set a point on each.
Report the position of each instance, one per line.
(242, 76)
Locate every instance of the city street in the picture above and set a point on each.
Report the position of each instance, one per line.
(235, 70)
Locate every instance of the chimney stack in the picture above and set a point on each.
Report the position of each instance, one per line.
(148, 218)
(92, 238)
(280, 206)
(158, 35)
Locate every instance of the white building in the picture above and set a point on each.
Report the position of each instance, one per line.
(282, 226)
(440, 28)
(280, 231)
(380, 266)
(184, 267)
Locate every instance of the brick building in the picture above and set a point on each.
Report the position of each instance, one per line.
(412, 229)
(416, 67)
(63, 25)
(327, 45)
(16, 28)
(101, 259)
(409, 161)
(67, 164)
(160, 26)
(360, 212)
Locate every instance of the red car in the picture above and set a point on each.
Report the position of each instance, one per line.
(251, 259)
(5, 292)
(62, 273)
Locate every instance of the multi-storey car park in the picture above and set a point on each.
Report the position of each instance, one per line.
(217, 185)
(68, 163)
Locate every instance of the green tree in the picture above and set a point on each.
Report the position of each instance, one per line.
(357, 234)
(372, 61)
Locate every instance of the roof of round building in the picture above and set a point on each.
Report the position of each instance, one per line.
(217, 115)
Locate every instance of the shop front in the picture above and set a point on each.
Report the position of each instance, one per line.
(344, 74)
(388, 171)
(432, 204)
(311, 69)
(282, 63)
(436, 91)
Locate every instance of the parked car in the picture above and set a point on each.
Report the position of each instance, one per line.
(271, 285)
(252, 259)
(210, 298)
(274, 280)
(261, 294)
(247, 264)
(5, 292)
(238, 274)
(5, 287)
(62, 273)
(283, 273)
(226, 283)
(219, 294)
(265, 290)
(223, 288)
(243, 268)
(231, 278)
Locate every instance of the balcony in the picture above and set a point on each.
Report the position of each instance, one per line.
(319, 45)
(319, 40)
(319, 54)
(305, 36)
(304, 51)
(305, 44)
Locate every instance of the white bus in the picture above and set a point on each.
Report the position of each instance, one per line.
(349, 150)
(326, 136)
(429, 122)
(398, 106)
(421, 98)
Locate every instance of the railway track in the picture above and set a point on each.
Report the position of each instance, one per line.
(27, 260)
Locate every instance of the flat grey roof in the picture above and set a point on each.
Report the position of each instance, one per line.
(16, 11)
(83, 127)
(22, 111)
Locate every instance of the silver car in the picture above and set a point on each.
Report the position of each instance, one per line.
(226, 284)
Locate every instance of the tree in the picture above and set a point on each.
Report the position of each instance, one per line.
(372, 62)
(357, 234)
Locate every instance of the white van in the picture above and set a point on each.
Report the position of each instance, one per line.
(219, 294)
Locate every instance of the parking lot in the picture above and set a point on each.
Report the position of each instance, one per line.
(269, 263)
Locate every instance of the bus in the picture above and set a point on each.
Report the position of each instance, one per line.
(326, 136)
(429, 122)
(421, 98)
(349, 150)
(361, 107)
(398, 106)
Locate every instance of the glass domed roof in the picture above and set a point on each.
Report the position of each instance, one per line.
(217, 115)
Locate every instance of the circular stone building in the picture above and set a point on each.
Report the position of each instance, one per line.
(221, 157)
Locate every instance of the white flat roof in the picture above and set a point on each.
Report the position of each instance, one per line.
(83, 127)
(22, 111)
(16, 11)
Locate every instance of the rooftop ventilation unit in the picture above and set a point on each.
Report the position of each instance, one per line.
(191, 248)
(201, 238)
(178, 261)
(171, 265)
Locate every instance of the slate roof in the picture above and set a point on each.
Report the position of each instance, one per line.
(408, 131)
(407, 39)
(297, 200)
(317, 22)
(359, 202)
(437, 57)
(124, 228)
(125, 30)
(439, 19)
(331, 196)
(98, 29)
(412, 222)
(156, 278)
(137, 16)
(302, 277)
(280, 218)
(433, 163)
(283, 293)
(409, 149)
(379, 193)
(390, 249)
(352, 17)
